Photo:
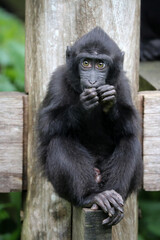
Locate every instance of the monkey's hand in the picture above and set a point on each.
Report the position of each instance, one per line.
(107, 95)
(89, 98)
(112, 203)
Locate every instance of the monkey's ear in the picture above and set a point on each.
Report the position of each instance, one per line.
(68, 53)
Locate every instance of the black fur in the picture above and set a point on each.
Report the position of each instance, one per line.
(72, 141)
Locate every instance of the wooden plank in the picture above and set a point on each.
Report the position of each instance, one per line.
(152, 124)
(151, 103)
(151, 142)
(11, 141)
(152, 173)
(151, 146)
(88, 225)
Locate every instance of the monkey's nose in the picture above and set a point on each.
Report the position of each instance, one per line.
(92, 81)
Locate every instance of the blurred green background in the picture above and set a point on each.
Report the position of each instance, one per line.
(12, 40)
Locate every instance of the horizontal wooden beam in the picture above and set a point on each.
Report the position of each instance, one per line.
(13, 140)
(151, 140)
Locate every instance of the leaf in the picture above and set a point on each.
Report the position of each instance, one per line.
(5, 84)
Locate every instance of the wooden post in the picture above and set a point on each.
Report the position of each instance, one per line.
(46, 216)
(87, 224)
(51, 25)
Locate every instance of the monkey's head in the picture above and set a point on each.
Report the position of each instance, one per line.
(94, 60)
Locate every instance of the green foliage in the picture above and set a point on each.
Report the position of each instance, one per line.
(11, 53)
(149, 224)
(10, 226)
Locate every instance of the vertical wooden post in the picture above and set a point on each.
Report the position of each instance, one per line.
(51, 25)
(46, 216)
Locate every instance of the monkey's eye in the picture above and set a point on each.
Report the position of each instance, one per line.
(100, 65)
(86, 63)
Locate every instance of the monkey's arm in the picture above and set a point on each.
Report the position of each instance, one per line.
(70, 170)
(123, 172)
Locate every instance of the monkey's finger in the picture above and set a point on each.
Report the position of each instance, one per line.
(110, 210)
(115, 204)
(109, 93)
(105, 88)
(90, 96)
(118, 201)
(116, 219)
(88, 91)
(106, 221)
(110, 98)
(89, 107)
(100, 203)
(91, 101)
(118, 197)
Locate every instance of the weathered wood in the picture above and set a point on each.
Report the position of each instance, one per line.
(152, 124)
(151, 173)
(46, 216)
(131, 214)
(151, 101)
(87, 225)
(151, 146)
(151, 140)
(11, 141)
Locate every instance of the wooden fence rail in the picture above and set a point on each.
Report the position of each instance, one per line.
(13, 135)
(13, 158)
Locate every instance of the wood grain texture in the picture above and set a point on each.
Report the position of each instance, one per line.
(151, 173)
(151, 141)
(11, 141)
(46, 216)
(51, 25)
(130, 223)
(87, 225)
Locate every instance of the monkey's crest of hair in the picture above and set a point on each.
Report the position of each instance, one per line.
(95, 42)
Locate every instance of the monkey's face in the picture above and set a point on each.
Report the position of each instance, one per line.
(93, 72)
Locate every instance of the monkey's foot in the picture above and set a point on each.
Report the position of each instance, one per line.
(112, 203)
(116, 218)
